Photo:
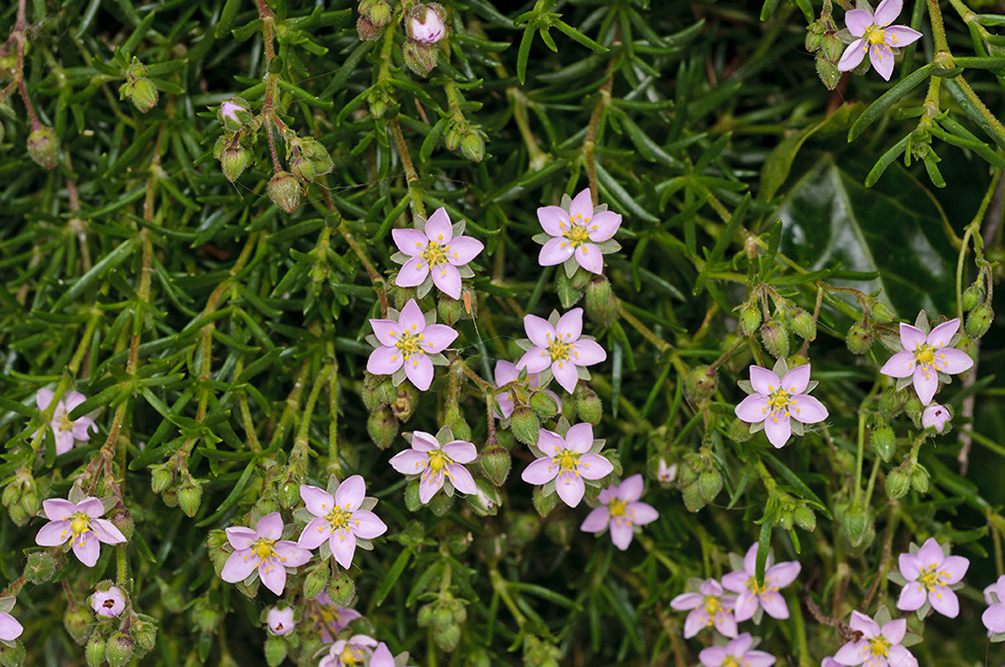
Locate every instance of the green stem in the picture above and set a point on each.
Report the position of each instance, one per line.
(301, 445)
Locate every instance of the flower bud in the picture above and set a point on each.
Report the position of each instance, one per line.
(341, 589)
(233, 114)
(813, 39)
(421, 58)
(832, 46)
(891, 402)
(589, 407)
(544, 403)
(935, 417)
(884, 442)
(544, 503)
(524, 528)
(303, 170)
(11, 493)
(17, 514)
(367, 30)
(775, 337)
(275, 651)
(425, 615)
(95, 651)
(979, 320)
(898, 481)
(143, 95)
(750, 319)
(441, 504)
(285, 191)
(805, 518)
(160, 478)
(473, 146)
(827, 71)
(449, 310)
(710, 483)
(694, 500)
(78, 624)
(382, 426)
(43, 147)
(785, 519)
(448, 637)
(189, 496)
(601, 304)
(405, 402)
(739, 431)
(524, 425)
(972, 296)
(316, 580)
(426, 25)
(803, 324)
(119, 649)
(378, 390)
(234, 161)
(700, 385)
(41, 567)
(920, 479)
(914, 408)
(495, 463)
(860, 338)
(856, 526)
(881, 312)
(12, 655)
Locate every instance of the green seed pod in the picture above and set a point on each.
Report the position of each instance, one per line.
(190, 496)
(303, 170)
(143, 95)
(448, 637)
(884, 443)
(495, 462)
(275, 651)
(694, 500)
(891, 402)
(425, 616)
(160, 478)
(700, 385)
(524, 528)
(412, 501)
(285, 191)
(805, 518)
(973, 295)
(601, 304)
(382, 426)
(524, 425)
(544, 404)
(750, 320)
(473, 146)
(589, 407)
(775, 337)
(832, 46)
(860, 338)
(898, 481)
(378, 390)
(813, 39)
(43, 147)
(920, 479)
(979, 320)
(95, 651)
(41, 567)
(78, 624)
(881, 312)
(421, 58)
(827, 71)
(12, 655)
(449, 310)
(341, 589)
(856, 526)
(367, 30)
(710, 483)
(803, 324)
(785, 519)
(316, 580)
(17, 514)
(119, 649)
(405, 401)
(441, 503)
(289, 494)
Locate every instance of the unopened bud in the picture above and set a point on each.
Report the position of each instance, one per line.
(316, 581)
(420, 57)
(234, 161)
(341, 589)
(856, 524)
(805, 518)
(119, 649)
(284, 190)
(448, 637)
(78, 624)
(544, 403)
(95, 651)
(43, 147)
(275, 651)
(589, 407)
(694, 500)
(972, 296)
(382, 426)
(143, 95)
(524, 425)
(860, 338)
(425, 615)
(803, 324)
(979, 320)
(813, 40)
(832, 47)
(920, 479)
(17, 514)
(700, 385)
(710, 483)
(601, 304)
(302, 170)
(289, 494)
(523, 529)
(827, 71)
(739, 430)
(881, 312)
(426, 25)
(189, 497)
(750, 319)
(367, 30)
(160, 478)
(884, 442)
(891, 402)
(412, 501)
(473, 146)
(495, 463)
(40, 568)
(775, 337)
(449, 310)
(233, 114)
(898, 481)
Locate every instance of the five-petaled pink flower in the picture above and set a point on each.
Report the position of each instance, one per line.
(81, 525)
(777, 401)
(709, 606)
(437, 464)
(505, 373)
(280, 620)
(577, 233)
(339, 518)
(432, 250)
(10, 629)
(561, 347)
(108, 603)
(263, 549)
(408, 343)
(925, 357)
(935, 416)
(620, 510)
(349, 652)
(751, 595)
(929, 574)
(666, 473)
(875, 35)
(994, 616)
(568, 461)
(876, 647)
(328, 619)
(736, 652)
(65, 430)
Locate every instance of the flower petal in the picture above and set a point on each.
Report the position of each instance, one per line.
(463, 249)
(882, 59)
(438, 227)
(384, 361)
(900, 365)
(596, 520)
(58, 509)
(686, 601)
(603, 226)
(349, 494)
(541, 471)
(582, 206)
(539, 330)
(106, 532)
(783, 574)
(752, 409)
(447, 278)
(419, 369)
(367, 524)
(570, 326)
(901, 657)
(411, 318)
(64, 441)
(694, 622)
(863, 624)
(270, 526)
(994, 618)
(796, 380)
(43, 397)
(291, 554)
(639, 514)
(774, 605)
(713, 656)
(887, 12)
(631, 488)
(895, 630)
(852, 56)
(587, 353)
(409, 241)
(53, 534)
(273, 575)
(87, 548)
(552, 219)
(910, 566)
(343, 545)
(82, 428)
(424, 442)
(807, 409)
(437, 337)
(318, 501)
(570, 488)
(912, 596)
(505, 372)
(621, 534)
(926, 383)
(857, 20)
(535, 360)
(898, 36)
(944, 601)
(429, 484)
(763, 380)
(460, 451)
(590, 258)
(954, 567)
(565, 374)
(413, 273)
(594, 466)
(579, 438)
(91, 506)
(911, 337)
(555, 251)
(725, 623)
(951, 361)
(315, 533)
(10, 629)
(778, 429)
(461, 479)
(851, 653)
(409, 462)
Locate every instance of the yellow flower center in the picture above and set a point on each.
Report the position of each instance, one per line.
(875, 35)
(559, 351)
(931, 577)
(567, 460)
(754, 587)
(925, 354)
(438, 460)
(409, 344)
(338, 519)
(730, 661)
(349, 657)
(263, 549)
(64, 421)
(80, 523)
(711, 605)
(779, 400)
(577, 234)
(879, 646)
(616, 507)
(435, 254)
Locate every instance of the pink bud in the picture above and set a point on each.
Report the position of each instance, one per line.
(427, 25)
(935, 416)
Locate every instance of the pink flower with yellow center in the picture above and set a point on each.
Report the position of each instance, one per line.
(339, 519)
(924, 357)
(560, 347)
(280, 621)
(877, 646)
(876, 37)
(81, 525)
(751, 595)
(437, 463)
(929, 574)
(777, 402)
(620, 511)
(435, 250)
(65, 430)
(709, 607)
(352, 652)
(567, 461)
(108, 603)
(736, 653)
(407, 347)
(262, 550)
(578, 233)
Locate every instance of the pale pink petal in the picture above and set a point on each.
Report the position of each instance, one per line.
(553, 219)
(550, 442)
(82, 428)
(270, 526)
(409, 241)
(796, 380)
(594, 466)
(910, 566)
(911, 337)
(384, 361)
(942, 334)
(75, 398)
(368, 525)
(882, 59)
(447, 278)
(460, 451)
(91, 506)
(713, 656)
(570, 488)
(461, 479)
(694, 623)
(746, 606)
(590, 258)
(887, 12)
(437, 337)
(438, 226)
(944, 601)
(106, 532)
(463, 249)
(315, 533)
(740, 645)
(596, 520)
(343, 545)
(851, 653)
(540, 332)
(621, 534)
(535, 360)
(506, 405)
(64, 441)
(807, 409)
(763, 380)
(424, 442)
(565, 374)
(318, 501)
(273, 576)
(926, 382)
(736, 582)
(540, 471)
(631, 488)
(753, 408)
(53, 534)
(43, 397)
(579, 438)
(951, 361)
(10, 629)
(603, 226)
(863, 624)
(778, 429)
(413, 273)
(386, 331)
(852, 56)
(570, 326)
(291, 554)
(783, 574)
(381, 656)
(582, 206)
(419, 369)
(686, 601)
(87, 548)
(587, 353)
(955, 567)
(901, 657)
(555, 251)
(895, 630)
(1000, 588)
(349, 494)
(725, 623)
(758, 659)
(994, 618)
(429, 484)
(750, 560)
(241, 537)
(774, 605)
(900, 365)
(505, 372)
(857, 20)
(409, 462)
(57, 509)
(900, 35)
(411, 319)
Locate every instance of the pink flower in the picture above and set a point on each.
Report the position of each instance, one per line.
(666, 473)
(262, 549)
(560, 347)
(437, 463)
(78, 523)
(929, 574)
(776, 401)
(10, 629)
(408, 343)
(877, 36)
(620, 510)
(709, 606)
(427, 27)
(280, 620)
(66, 430)
(925, 357)
(109, 603)
(877, 647)
(329, 620)
(994, 616)
(505, 373)
(339, 519)
(736, 652)
(349, 653)
(432, 250)
(568, 461)
(382, 657)
(935, 416)
(829, 662)
(579, 234)
(751, 595)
